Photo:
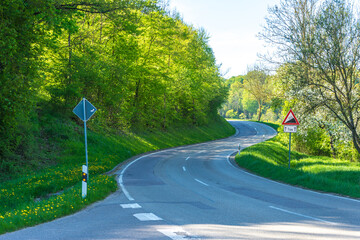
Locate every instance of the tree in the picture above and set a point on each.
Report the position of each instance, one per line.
(321, 42)
(256, 84)
(250, 105)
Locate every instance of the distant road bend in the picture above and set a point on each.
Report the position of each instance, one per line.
(195, 192)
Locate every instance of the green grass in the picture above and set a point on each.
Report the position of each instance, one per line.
(34, 212)
(36, 196)
(270, 159)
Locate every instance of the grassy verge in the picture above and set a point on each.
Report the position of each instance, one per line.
(43, 195)
(270, 159)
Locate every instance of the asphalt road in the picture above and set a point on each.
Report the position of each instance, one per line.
(195, 192)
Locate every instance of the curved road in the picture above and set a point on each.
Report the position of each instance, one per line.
(195, 192)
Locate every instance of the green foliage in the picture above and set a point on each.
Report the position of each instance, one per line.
(235, 79)
(231, 114)
(250, 105)
(142, 68)
(315, 142)
(252, 95)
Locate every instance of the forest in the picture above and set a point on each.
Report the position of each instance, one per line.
(314, 70)
(137, 62)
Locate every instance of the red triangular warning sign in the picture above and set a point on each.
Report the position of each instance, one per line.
(290, 119)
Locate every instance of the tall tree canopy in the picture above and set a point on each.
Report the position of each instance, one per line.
(256, 84)
(141, 66)
(320, 42)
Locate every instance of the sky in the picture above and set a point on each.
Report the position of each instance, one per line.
(232, 26)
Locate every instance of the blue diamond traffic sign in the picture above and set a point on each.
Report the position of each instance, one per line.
(84, 110)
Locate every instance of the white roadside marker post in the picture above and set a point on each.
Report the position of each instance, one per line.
(84, 181)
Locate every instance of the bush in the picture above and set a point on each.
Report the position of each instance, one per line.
(231, 114)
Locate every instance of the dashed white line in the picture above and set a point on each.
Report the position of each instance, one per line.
(184, 169)
(201, 182)
(301, 215)
(131, 205)
(147, 217)
(187, 158)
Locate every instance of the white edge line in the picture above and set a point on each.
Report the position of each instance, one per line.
(228, 160)
(201, 182)
(301, 215)
(121, 182)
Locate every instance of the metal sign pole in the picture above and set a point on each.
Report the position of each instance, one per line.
(84, 112)
(289, 148)
(86, 151)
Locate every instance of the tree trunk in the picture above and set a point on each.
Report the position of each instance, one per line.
(260, 108)
(356, 140)
(332, 145)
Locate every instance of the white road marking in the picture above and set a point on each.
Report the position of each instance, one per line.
(184, 168)
(147, 217)
(228, 159)
(201, 182)
(121, 182)
(176, 233)
(202, 151)
(187, 158)
(131, 205)
(301, 215)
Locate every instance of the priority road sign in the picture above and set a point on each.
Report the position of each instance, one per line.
(84, 110)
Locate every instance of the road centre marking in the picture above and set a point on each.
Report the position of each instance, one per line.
(131, 205)
(184, 169)
(147, 217)
(201, 182)
(301, 215)
(187, 158)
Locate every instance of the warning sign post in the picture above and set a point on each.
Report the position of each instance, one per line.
(290, 126)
